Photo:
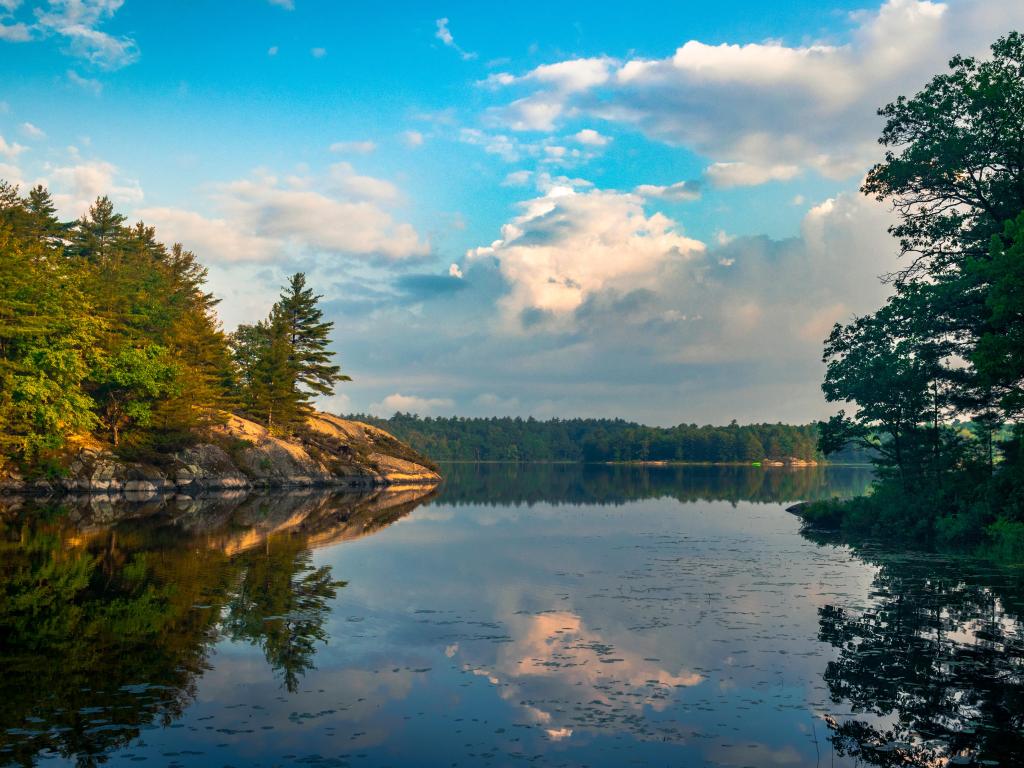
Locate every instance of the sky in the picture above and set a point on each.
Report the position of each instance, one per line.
(648, 211)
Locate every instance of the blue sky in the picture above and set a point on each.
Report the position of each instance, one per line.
(569, 209)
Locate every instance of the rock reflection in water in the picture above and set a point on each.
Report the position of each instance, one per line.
(109, 611)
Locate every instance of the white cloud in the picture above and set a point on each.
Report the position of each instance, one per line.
(766, 110)
(262, 218)
(512, 149)
(272, 50)
(214, 240)
(424, 406)
(338, 404)
(78, 21)
(318, 53)
(75, 187)
(567, 246)
(508, 149)
(444, 34)
(747, 174)
(679, 192)
(32, 131)
(354, 147)
(357, 187)
(85, 83)
(15, 33)
(318, 221)
(592, 138)
(10, 150)
(413, 138)
(540, 111)
(288, 5)
(455, 271)
(11, 174)
(517, 179)
(572, 75)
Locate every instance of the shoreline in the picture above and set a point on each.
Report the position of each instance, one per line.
(674, 463)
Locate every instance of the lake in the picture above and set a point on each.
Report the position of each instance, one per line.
(519, 615)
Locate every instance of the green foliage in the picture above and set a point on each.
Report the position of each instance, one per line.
(949, 343)
(309, 337)
(104, 328)
(283, 361)
(128, 383)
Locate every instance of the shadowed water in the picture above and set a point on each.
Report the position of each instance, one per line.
(548, 615)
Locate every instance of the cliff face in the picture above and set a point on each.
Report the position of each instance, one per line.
(242, 455)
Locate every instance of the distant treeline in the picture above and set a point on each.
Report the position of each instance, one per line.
(517, 439)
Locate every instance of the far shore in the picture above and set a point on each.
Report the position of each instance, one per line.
(674, 463)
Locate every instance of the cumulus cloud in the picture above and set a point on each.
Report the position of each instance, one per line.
(355, 186)
(77, 185)
(412, 138)
(567, 246)
(10, 150)
(591, 138)
(747, 174)
(11, 174)
(765, 110)
(216, 240)
(424, 406)
(263, 217)
(664, 331)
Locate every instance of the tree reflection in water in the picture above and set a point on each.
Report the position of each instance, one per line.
(105, 629)
(501, 484)
(933, 670)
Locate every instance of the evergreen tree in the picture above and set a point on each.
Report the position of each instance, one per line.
(275, 397)
(309, 336)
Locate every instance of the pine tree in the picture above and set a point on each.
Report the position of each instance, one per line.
(309, 336)
(274, 393)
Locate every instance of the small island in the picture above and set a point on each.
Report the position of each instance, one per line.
(117, 378)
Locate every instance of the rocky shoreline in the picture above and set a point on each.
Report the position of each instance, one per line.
(242, 455)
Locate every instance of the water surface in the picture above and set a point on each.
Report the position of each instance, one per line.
(548, 615)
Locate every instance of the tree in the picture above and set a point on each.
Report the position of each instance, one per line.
(264, 352)
(309, 336)
(129, 383)
(999, 353)
(948, 343)
(47, 333)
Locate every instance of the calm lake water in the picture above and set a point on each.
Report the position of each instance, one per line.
(534, 615)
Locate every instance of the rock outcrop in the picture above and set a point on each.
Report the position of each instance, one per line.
(243, 455)
(788, 461)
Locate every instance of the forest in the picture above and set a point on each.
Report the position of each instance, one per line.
(600, 440)
(105, 331)
(949, 342)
